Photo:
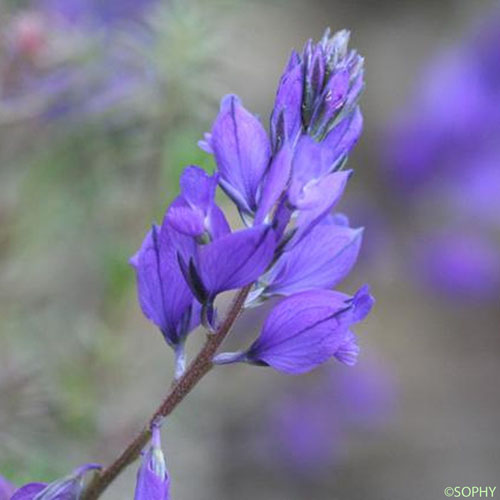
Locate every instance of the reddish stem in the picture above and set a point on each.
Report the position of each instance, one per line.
(198, 368)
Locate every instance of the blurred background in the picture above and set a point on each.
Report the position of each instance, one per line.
(101, 105)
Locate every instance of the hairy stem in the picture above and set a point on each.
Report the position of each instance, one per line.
(198, 368)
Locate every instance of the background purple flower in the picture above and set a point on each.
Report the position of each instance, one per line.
(75, 58)
(460, 264)
(443, 150)
(309, 427)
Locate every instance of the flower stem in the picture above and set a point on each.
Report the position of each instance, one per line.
(180, 360)
(198, 368)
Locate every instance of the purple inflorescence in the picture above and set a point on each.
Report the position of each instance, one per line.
(285, 187)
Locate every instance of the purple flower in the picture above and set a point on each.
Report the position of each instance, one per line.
(308, 426)
(305, 330)
(164, 296)
(304, 433)
(291, 244)
(6, 489)
(461, 265)
(320, 260)
(106, 13)
(67, 488)
(242, 152)
(432, 137)
(67, 58)
(153, 481)
(447, 157)
(233, 261)
(213, 259)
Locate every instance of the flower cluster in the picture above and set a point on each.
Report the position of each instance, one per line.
(285, 188)
(443, 150)
(292, 246)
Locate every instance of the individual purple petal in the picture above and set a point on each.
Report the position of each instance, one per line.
(198, 188)
(189, 221)
(153, 480)
(286, 118)
(274, 183)
(315, 200)
(314, 159)
(28, 491)
(164, 296)
(6, 489)
(282, 217)
(320, 260)
(235, 260)
(362, 303)
(67, 488)
(242, 152)
(306, 329)
(318, 192)
(344, 136)
(194, 212)
(331, 101)
(206, 143)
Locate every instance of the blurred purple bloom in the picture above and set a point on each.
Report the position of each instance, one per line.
(308, 427)
(153, 481)
(106, 12)
(305, 434)
(67, 488)
(321, 260)
(473, 195)
(461, 265)
(447, 156)
(6, 489)
(68, 58)
(432, 136)
(306, 329)
(163, 294)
